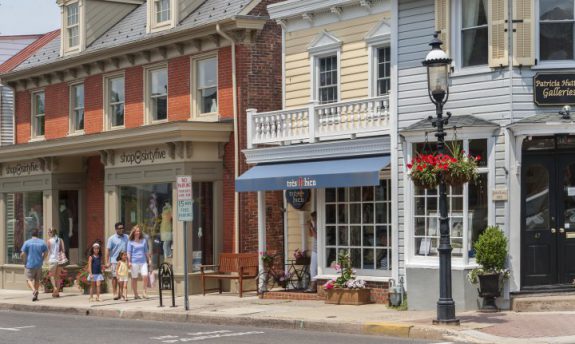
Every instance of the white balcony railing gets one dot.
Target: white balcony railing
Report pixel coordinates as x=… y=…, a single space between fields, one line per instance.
x=364 y=117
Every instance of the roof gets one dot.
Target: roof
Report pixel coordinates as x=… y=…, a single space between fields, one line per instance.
x=24 y=54
x=11 y=45
x=454 y=122
x=553 y=117
x=132 y=28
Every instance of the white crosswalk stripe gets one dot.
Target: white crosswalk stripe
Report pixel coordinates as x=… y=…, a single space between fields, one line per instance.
x=200 y=336
x=14 y=329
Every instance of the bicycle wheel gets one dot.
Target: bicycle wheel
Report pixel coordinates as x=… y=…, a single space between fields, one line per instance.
x=265 y=282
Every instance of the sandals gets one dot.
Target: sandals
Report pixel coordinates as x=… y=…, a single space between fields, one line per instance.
x=91 y=299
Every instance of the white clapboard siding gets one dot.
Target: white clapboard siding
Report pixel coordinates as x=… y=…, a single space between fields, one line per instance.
x=6 y=116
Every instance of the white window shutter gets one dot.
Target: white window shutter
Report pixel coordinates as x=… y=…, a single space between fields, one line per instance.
x=498 y=36
x=523 y=35
x=442 y=14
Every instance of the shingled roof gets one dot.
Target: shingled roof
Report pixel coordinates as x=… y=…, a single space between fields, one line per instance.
x=25 y=53
x=454 y=122
x=132 y=28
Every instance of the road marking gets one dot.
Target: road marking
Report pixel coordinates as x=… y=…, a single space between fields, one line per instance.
x=199 y=336
x=14 y=329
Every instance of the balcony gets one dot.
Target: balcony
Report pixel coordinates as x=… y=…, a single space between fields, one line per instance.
x=349 y=119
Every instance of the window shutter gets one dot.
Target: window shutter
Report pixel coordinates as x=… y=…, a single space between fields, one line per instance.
x=498 y=37
x=442 y=22
x=523 y=42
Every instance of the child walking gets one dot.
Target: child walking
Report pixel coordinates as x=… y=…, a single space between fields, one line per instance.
x=95 y=271
x=122 y=275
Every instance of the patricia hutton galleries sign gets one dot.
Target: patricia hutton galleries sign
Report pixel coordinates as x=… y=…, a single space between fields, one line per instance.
x=552 y=89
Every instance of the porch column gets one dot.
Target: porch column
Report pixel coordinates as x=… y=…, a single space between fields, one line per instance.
x=261 y=229
x=514 y=227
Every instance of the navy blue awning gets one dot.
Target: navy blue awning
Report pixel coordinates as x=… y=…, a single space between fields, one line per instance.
x=313 y=174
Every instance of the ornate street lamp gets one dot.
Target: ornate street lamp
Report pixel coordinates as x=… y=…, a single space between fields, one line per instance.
x=437 y=63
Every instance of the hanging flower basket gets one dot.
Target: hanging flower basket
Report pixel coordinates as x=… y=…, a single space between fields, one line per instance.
x=462 y=168
x=425 y=170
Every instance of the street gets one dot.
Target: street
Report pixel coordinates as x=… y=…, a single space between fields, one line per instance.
x=33 y=328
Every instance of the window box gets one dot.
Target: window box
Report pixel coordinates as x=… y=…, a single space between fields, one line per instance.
x=341 y=296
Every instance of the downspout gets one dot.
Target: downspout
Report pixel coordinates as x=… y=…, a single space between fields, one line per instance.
x=236 y=139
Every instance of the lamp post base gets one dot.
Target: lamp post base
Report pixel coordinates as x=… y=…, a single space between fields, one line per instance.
x=451 y=322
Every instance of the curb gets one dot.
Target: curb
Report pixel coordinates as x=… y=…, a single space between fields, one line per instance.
x=401 y=330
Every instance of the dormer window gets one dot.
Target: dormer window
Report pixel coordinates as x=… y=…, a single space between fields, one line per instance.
x=72 y=25
x=162 y=10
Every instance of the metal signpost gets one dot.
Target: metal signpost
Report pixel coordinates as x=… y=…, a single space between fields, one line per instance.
x=185 y=214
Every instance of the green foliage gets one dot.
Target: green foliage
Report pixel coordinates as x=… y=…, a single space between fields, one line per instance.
x=490 y=253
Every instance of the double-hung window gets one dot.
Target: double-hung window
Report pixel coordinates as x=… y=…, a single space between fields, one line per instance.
x=38 y=114
x=157 y=94
x=467 y=207
x=77 y=108
x=207 y=85
x=474 y=33
x=72 y=25
x=556 y=24
x=116 y=99
x=327 y=79
x=383 y=68
x=162 y=9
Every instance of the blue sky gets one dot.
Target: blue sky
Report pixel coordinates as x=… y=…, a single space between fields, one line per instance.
x=22 y=17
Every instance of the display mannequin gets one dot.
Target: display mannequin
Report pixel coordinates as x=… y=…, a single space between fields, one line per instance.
x=66 y=227
x=166 y=229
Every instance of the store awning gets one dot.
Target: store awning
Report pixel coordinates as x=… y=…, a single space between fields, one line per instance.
x=313 y=175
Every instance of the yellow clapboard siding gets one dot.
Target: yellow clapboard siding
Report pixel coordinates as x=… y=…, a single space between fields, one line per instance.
x=354 y=94
x=298 y=90
x=297 y=57
x=298 y=78
x=353 y=84
x=300 y=93
x=296 y=103
x=351 y=70
x=299 y=70
x=350 y=63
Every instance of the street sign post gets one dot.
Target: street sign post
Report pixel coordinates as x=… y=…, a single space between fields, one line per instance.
x=185 y=214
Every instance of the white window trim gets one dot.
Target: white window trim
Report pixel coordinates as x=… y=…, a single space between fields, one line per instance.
x=321 y=51
x=373 y=67
x=153 y=25
x=147 y=94
x=457 y=64
x=65 y=48
x=458 y=263
x=541 y=65
x=71 y=115
x=107 y=114
x=195 y=105
x=33 y=115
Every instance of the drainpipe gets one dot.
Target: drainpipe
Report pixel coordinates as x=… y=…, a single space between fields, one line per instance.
x=236 y=138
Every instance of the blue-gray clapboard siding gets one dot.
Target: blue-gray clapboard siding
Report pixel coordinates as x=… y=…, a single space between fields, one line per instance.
x=6 y=116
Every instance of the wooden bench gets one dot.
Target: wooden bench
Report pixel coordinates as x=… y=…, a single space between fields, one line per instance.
x=238 y=266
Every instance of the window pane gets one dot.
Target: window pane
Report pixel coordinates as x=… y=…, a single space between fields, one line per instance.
x=355 y=194
x=474 y=13
x=24 y=212
x=478 y=148
x=207 y=73
x=382 y=260
x=40 y=126
x=39 y=103
x=556 y=41
x=73 y=36
x=355 y=236
x=382 y=235
x=342 y=236
x=555 y=9
x=478 y=210
x=355 y=213
x=368 y=213
x=330 y=195
x=355 y=255
x=162 y=10
x=159 y=81
x=116 y=87
x=117 y=115
x=331 y=257
x=72 y=18
x=160 y=108
x=209 y=100
x=330 y=214
x=368 y=259
x=368 y=236
x=330 y=236
x=475 y=47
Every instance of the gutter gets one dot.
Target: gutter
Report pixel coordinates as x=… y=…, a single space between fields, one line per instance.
x=236 y=138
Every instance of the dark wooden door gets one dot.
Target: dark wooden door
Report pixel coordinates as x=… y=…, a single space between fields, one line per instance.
x=539 y=232
x=565 y=195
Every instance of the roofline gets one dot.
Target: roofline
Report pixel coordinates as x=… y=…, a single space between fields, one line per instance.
x=170 y=37
x=25 y=53
x=291 y=8
x=23 y=36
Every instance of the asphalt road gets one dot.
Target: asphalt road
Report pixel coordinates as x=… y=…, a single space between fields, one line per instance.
x=35 y=328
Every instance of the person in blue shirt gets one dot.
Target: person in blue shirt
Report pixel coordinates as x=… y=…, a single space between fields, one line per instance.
x=138 y=259
x=34 y=252
x=116 y=243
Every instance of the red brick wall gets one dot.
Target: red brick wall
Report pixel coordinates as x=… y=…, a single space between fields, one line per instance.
x=22 y=111
x=134 y=106
x=94 y=201
x=93 y=104
x=57 y=115
x=179 y=89
x=225 y=83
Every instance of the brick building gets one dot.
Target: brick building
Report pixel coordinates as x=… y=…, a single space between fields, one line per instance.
x=125 y=97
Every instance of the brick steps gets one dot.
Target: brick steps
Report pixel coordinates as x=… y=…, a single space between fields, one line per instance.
x=291 y=295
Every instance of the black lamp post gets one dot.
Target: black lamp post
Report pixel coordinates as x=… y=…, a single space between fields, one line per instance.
x=437 y=63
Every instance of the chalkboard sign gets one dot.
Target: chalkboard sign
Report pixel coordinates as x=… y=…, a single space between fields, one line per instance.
x=554 y=89
x=298 y=198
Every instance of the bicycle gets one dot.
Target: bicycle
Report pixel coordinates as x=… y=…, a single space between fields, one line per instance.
x=269 y=277
x=298 y=270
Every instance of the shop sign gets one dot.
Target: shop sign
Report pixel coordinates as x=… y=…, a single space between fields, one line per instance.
x=142 y=156
x=22 y=169
x=554 y=89
x=499 y=194
x=297 y=198
x=185 y=200
x=301 y=182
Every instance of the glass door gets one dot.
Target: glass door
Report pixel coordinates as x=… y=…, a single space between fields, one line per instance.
x=68 y=224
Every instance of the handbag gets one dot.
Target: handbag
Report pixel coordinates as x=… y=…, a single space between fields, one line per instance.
x=62 y=259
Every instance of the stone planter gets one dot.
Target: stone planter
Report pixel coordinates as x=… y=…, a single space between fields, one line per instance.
x=343 y=296
x=489 y=289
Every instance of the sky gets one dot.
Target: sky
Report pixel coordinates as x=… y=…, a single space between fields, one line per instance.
x=23 y=17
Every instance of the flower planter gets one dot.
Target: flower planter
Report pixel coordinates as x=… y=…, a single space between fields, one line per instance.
x=303 y=261
x=343 y=296
x=455 y=180
x=422 y=184
x=489 y=289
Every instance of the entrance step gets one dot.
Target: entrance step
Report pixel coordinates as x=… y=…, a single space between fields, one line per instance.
x=543 y=302
x=291 y=295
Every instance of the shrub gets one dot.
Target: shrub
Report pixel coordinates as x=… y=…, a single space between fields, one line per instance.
x=490 y=253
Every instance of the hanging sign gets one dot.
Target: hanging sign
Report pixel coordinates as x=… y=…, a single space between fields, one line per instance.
x=298 y=198
x=553 y=89
x=185 y=201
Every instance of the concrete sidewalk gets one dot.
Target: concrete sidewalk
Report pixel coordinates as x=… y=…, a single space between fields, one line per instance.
x=229 y=309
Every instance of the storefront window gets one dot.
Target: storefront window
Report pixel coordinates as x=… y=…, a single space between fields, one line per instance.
x=24 y=212
x=358 y=220
x=202 y=226
x=68 y=227
x=465 y=225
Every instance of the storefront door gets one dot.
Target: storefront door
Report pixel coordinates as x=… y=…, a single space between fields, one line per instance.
x=548 y=213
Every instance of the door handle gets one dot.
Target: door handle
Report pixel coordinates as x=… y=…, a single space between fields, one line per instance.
x=561 y=230
x=553 y=231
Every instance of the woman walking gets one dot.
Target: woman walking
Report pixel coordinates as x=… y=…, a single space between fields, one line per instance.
x=138 y=259
x=55 y=248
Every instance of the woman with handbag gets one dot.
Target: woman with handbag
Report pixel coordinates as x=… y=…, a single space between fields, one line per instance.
x=56 y=259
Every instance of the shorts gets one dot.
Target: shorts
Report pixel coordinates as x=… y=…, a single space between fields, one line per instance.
x=34 y=274
x=113 y=269
x=122 y=278
x=52 y=266
x=97 y=278
x=141 y=269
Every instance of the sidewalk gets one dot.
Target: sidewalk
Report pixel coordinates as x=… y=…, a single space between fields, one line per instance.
x=229 y=309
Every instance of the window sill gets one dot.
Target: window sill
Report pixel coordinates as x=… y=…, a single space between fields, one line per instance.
x=37 y=139
x=428 y=263
x=119 y=127
x=76 y=133
x=157 y=121
x=554 y=65
x=206 y=117
x=471 y=71
x=362 y=277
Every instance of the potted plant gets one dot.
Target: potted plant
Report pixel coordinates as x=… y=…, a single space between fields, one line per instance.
x=346 y=289
x=490 y=254
x=425 y=171
x=301 y=257
x=84 y=284
x=46 y=280
x=461 y=167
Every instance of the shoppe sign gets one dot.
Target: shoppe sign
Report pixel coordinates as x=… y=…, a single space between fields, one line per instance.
x=185 y=201
x=553 y=89
x=142 y=156
x=298 y=198
x=20 y=169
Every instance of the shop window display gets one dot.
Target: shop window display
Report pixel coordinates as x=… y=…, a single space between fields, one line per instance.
x=24 y=212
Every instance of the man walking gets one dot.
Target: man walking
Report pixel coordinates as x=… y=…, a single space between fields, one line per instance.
x=34 y=252
x=116 y=243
